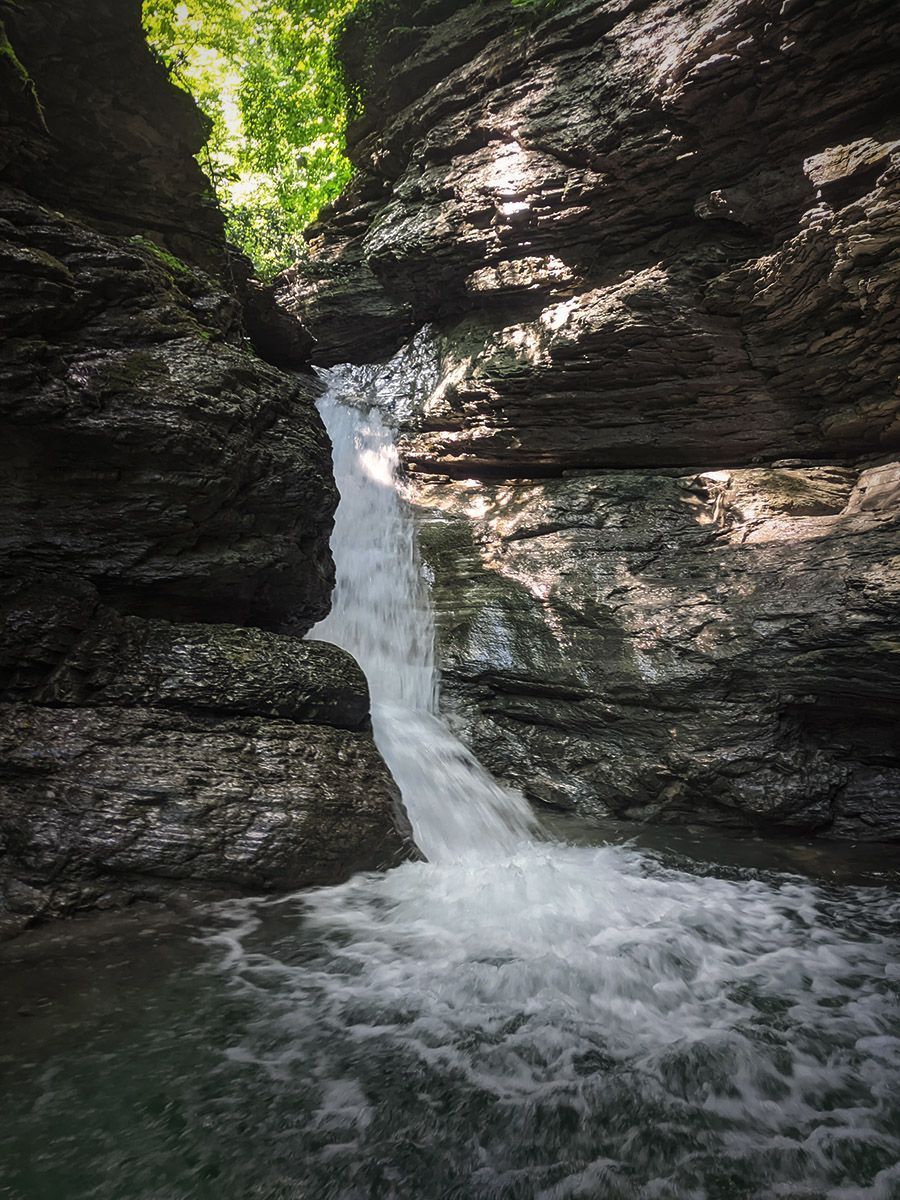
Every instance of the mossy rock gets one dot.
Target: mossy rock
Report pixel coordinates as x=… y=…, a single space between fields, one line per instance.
x=180 y=270
x=17 y=91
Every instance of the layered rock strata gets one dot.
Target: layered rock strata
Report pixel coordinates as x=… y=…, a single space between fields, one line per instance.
x=140 y=757
x=166 y=496
x=657 y=247
x=719 y=647
x=145 y=446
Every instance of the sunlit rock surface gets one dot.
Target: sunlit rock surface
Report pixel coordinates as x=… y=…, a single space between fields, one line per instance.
x=719 y=647
x=657 y=247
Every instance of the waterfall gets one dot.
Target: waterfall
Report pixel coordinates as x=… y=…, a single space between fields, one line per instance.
x=528 y=1020
x=381 y=613
x=512 y=1019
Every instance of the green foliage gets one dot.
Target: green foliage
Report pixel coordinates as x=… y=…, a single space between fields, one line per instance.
x=267 y=78
x=266 y=74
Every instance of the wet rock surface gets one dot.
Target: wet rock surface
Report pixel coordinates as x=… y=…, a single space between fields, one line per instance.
x=141 y=756
x=63 y=646
x=657 y=249
x=106 y=805
x=146 y=442
x=718 y=647
x=166 y=501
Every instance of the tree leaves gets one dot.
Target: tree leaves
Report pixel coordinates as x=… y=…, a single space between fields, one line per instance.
x=268 y=79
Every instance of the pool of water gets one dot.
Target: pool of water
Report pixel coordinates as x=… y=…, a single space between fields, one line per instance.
x=584 y=1021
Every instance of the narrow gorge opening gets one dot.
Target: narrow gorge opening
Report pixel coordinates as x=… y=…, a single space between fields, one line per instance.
x=458 y=782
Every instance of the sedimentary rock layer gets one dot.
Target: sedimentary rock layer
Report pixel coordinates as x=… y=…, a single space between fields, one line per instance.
x=138 y=756
x=145 y=447
x=719 y=647
x=658 y=249
x=653 y=219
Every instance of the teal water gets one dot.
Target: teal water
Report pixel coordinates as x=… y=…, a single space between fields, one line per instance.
x=263 y=1049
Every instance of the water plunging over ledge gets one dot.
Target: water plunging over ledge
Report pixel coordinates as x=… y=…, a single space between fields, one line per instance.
x=569 y=1021
x=514 y=1019
x=381 y=613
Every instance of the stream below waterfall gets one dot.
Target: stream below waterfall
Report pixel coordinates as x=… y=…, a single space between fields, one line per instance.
x=520 y=1017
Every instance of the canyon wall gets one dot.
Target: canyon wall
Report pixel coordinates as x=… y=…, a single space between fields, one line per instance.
x=651 y=423
x=167 y=500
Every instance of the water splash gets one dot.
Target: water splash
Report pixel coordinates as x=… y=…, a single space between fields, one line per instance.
x=518 y=1020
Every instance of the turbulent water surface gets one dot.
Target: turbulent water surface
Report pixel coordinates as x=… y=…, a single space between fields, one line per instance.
x=515 y=1018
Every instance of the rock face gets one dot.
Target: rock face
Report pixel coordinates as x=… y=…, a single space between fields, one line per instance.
x=119 y=140
x=161 y=488
x=143 y=442
x=138 y=754
x=658 y=249
x=719 y=647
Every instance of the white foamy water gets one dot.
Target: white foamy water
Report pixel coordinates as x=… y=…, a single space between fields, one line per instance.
x=523 y=1019
x=381 y=613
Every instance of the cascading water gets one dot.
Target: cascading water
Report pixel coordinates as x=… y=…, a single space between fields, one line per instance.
x=516 y=1018
x=381 y=613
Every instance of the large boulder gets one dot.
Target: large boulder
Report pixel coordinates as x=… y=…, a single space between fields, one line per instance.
x=141 y=758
